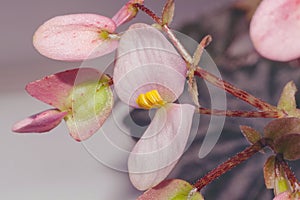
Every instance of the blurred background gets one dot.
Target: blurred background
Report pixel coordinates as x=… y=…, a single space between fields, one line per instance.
x=54 y=166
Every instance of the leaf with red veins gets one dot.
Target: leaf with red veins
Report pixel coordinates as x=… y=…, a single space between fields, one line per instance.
x=41 y=122
x=127 y=12
x=75 y=37
x=161 y=146
x=173 y=189
x=274 y=29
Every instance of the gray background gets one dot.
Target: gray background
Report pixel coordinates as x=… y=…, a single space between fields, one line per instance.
x=54 y=166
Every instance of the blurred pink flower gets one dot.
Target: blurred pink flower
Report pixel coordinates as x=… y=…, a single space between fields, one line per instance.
x=274 y=29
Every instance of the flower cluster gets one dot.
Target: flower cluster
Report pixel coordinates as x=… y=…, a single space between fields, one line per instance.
x=148 y=74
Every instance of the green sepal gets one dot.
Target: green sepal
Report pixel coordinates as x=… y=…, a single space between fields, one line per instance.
x=173 y=189
x=168 y=12
x=269 y=172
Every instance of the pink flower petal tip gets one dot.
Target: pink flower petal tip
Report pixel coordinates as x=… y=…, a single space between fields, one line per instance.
x=41 y=122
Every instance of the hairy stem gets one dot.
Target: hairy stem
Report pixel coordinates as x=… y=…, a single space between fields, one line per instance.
x=183 y=52
x=241 y=94
x=148 y=12
x=186 y=56
x=229 y=164
x=238 y=113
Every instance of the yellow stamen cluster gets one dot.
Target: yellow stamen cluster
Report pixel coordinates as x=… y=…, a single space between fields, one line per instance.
x=150 y=100
x=104 y=34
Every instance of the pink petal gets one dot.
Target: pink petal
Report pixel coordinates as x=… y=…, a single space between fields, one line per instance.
x=163 y=143
x=75 y=37
x=91 y=105
x=146 y=61
x=283 y=196
x=41 y=122
x=55 y=89
x=170 y=190
x=275 y=29
x=126 y=13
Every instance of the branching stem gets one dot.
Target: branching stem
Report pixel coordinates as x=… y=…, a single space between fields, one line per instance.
x=229 y=164
x=241 y=94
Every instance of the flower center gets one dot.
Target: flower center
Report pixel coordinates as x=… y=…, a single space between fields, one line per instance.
x=151 y=99
x=103 y=34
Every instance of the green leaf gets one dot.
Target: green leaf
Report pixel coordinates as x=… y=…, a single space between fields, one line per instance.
x=289 y=146
x=173 y=189
x=168 y=12
x=269 y=172
x=279 y=127
x=250 y=134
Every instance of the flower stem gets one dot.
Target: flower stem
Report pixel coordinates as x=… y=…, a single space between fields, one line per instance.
x=231 y=163
x=183 y=52
x=241 y=94
x=148 y=12
x=238 y=113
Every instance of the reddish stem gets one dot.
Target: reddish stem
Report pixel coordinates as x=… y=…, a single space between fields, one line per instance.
x=238 y=113
x=183 y=52
x=148 y=12
x=229 y=164
x=241 y=94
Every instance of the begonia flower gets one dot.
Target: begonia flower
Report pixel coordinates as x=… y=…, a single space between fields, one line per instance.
x=82 y=97
x=150 y=74
x=274 y=29
x=81 y=36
